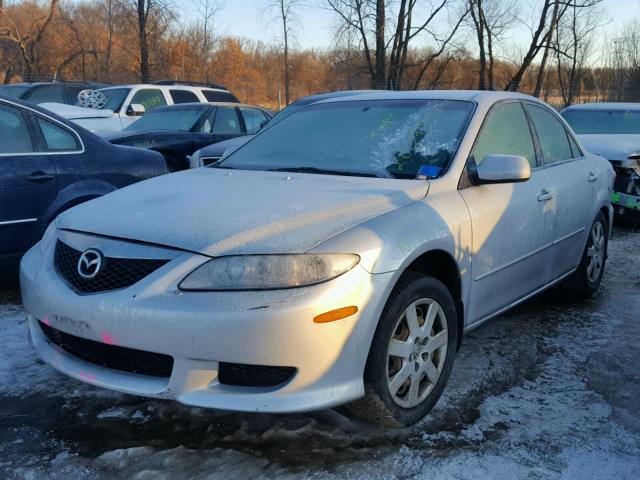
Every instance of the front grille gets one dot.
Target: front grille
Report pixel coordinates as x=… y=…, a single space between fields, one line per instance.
x=242 y=375
x=116 y=273
x=111 y=356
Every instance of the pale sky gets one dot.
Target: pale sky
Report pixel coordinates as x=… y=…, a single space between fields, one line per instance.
x=247 y=18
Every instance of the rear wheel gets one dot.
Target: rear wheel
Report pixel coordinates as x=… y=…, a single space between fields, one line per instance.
x=586 y=279
x=411 y=355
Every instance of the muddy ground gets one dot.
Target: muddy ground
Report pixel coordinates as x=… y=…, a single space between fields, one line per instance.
x=549 y=390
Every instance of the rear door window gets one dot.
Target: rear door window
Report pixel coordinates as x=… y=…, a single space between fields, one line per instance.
x=226 y=121
x=552 y=135
x=183 y=96
x=149 y=98
x=505 y=131
x=217 y=96
x=14 y=134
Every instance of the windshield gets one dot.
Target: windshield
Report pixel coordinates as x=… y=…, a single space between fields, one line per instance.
x=390 y=138
x=115 y=97
x=181 y=119
x=14 y=91
x=612 y=122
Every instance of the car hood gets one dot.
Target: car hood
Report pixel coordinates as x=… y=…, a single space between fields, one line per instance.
x=72 y=112
x=222 y=212
x=612 y=147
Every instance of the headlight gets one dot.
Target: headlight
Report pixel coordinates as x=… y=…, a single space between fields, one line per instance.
x=195 y=161
x=267 y=272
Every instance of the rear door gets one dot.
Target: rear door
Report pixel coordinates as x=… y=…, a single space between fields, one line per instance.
x=28 y=182
x=223 y=122
x=570 y=171
x=510 y=253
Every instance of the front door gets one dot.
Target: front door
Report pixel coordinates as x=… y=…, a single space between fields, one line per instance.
x=510 y=255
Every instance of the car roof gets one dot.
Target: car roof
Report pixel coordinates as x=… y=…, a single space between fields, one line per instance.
x=172 y=87
x=40 y=110
x=479 y=96
x=204 y=105
x=604 y=106
x=37 y=84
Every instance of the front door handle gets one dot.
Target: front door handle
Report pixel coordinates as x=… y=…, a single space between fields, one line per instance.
x=592 y=177
x=39 y=176
x=544 y=195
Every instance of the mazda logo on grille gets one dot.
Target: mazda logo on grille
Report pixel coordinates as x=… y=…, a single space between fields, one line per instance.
x=90 y=263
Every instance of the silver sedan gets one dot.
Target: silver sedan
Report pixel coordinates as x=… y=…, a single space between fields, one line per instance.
x=337 y=257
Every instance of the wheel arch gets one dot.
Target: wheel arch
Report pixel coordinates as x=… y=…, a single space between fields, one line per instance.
x=70 y=196
x=441 y=265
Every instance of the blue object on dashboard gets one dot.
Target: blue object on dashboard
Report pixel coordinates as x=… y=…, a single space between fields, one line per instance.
x=425 y=172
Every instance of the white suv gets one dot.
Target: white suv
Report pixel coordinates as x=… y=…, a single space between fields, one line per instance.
x=122 y=105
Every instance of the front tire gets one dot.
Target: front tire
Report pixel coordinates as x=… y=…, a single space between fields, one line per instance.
x=411 y=355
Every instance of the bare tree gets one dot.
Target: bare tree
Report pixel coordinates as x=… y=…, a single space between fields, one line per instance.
x=573 y=45
x=286 y=13
x=149 y=15
x=491 y=20
x=368 y=20
x=207 y=9
x=555 y=17
x=29 y=39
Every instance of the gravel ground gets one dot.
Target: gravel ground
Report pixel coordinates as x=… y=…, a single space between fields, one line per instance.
x=549 y=390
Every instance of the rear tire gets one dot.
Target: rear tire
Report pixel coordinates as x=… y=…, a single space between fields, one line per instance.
x=586 y=279
x=411 y=355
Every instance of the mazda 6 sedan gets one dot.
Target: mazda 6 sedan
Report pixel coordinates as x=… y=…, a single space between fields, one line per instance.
x=336 y=258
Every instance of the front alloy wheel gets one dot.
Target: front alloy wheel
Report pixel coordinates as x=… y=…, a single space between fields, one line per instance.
x=417 y=352
x=411 y=354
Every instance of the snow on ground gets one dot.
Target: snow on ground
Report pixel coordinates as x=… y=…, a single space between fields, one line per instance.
x=550 y=390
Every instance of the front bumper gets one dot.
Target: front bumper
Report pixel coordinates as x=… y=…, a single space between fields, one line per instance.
x=200 y=330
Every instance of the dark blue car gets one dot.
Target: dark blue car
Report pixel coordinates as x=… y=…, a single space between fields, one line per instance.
x=177 y=131
x=48 y=165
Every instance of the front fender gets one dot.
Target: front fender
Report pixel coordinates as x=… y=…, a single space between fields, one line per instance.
x=393 y=241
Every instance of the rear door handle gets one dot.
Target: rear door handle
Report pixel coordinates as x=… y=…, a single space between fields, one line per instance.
x=39 y=176
x=592 y=177
x=544 y=195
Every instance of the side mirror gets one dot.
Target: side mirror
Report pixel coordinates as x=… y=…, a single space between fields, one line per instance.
x=135 y=110
x=503 y=169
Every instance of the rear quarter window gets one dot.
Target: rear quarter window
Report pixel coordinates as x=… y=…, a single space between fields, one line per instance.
x=56 y=137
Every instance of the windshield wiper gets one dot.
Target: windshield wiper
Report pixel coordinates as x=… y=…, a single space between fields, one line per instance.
x=321 y=171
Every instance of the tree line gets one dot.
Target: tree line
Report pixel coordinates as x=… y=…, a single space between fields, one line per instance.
x=381 y=44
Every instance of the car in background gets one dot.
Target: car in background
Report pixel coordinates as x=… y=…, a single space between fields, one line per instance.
x=48 y=165
x=339 y=256
x=613 y=131
x=177 y=131
x=41 y=92
x=216 y=151
x=120 y=106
